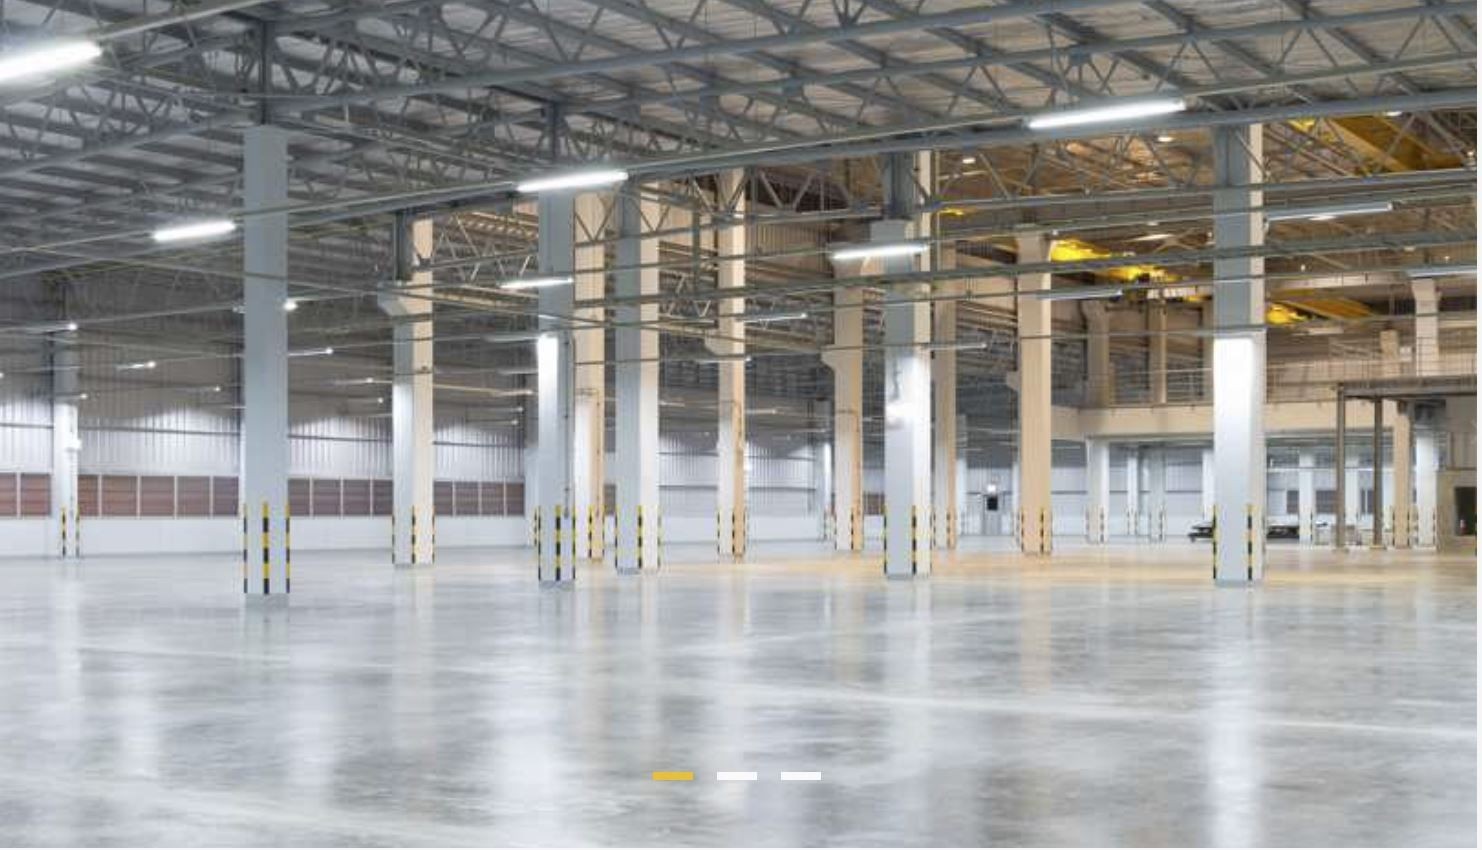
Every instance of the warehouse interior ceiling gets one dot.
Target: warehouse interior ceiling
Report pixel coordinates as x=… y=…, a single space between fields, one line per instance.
x=437 y=109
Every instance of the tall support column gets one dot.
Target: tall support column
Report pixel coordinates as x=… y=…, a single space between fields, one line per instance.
x=264 y=458
x=846 y=359
x=1239 y=359
x=1034 y=400
x=1427 y=327
x=1403 y=434
x=1376 y=515
x=1340 y=473
x=1306 y=495
x=555 y=391
x=589 y=413
x=944 y=508
x=1098 y=489
x=1425 y=480
x=1206 y=483
x=412 y=459
x=1157 y=493
x=907 y=377
x=730 y=446
x=1157 y=326
x=1100 y=389
x=66 y=443
x=637 y=386
x=1134 y=491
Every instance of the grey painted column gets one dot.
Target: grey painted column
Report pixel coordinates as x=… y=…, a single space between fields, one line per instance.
x=730 y=445
x=1100 y=389
x=264 y=461
x=846 y=359
x=1035 y=424
x=944 y=510
x=1426 y=458
x=1403 y=433
x=1427 y=327
x=1098 y=489
x=1157 y=494
x=1133 y=483
x=1239 y=358
x=589 y=409
x=1206 y=483
x=1376 y=518
x=66 y=443
x=555 y=391
x=1340 y=473
x=1306 y=495
x=1157 y=325
x=637 y=348
x=412 y=459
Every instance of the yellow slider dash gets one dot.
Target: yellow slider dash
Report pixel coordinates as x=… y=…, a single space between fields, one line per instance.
x=674 y=776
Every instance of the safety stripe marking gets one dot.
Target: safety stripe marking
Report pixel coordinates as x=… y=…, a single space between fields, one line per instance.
x=674 y=775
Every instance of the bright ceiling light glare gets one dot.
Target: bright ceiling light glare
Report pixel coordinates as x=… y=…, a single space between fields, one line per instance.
x=289 y=305
x=32 y=62
x=969 y=159
x=519 y=283
x=1165 y=139
x=192 y=231
x=1152 y=237
x=134 y=367
x=1393 y=113
x=763 y=318
x=880 y=251
x=1427 y=272
x=1330 y=212
x=1079 y=293
x=312 y=352
x=1107 y=114
x=588 y=179
x=974 y=345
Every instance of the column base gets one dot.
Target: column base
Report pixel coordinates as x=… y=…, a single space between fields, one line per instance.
x=563 y=583
x=413 y=565
x=628 y=571
x=265 y=601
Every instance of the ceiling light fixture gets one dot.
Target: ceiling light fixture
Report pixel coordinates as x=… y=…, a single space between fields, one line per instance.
x=722 y=358
x=1330 y=212
x=1107 y=113
x=763 y=318
x=1152 y=237
x=1164 y=139
x=535 y=282
x=513 y=336
x=289 y=305
x=46 y=58
x=312 y=352
x=1427 y=272
x=131 y=367
x=977 y=345
x=1079 y=293
x=572 y=180
x=880 y=251
x=194 y=230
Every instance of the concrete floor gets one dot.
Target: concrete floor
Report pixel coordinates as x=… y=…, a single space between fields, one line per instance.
x=1106 y=697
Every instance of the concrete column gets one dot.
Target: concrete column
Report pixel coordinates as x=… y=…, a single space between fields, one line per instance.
x=944 y=508
x=1306 y=495
x=637 y=386
x=1157 y=324
x=264 y=444
x=1206 y=483
x=1134 y=491
x=66 y=443
x=730 y=447
x=589 y=411
x=555 y=391
x=1239 y=359
x=1427 y=327
x=1100 y=388
x=1157 y=493
x=1343 y=489
x=846 y=360
x=1206 y=355
x=1034 y=400
x=1426 y=458
x=1098 y=489
x=412 y=413
x=1403 y=434
x=1376 y=515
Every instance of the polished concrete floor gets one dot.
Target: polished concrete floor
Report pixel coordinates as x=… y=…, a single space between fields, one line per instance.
x=1107 y=696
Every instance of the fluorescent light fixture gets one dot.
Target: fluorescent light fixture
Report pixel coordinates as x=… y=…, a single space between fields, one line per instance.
x=722 y=358
x=289 y=305
x=312 y=352
x=572 y=180
x=763 y=318
x=194 y=230
x=1153 y=237
x=46 y=58
x=1078 y=293
x=969 y=160
x=977 y=345
x=132 y=367
x=513 y=336
x=1329 y=212
x=1164 y=138
x=882 y=250
x=1424 y=272
x=1107 y=113
x=536 y=282
x=1393 y=113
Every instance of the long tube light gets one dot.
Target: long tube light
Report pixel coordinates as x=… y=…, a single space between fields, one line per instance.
x=882 y=250
x=1078 y=293
x=1329 y=212
x=977 y=345
x=587 y=179
x=312 y=352
x=763 y=318
x=722 y=358
x=535 y=282
x=513 y=336
x=1425 y=272
x=132 y=367
x=1107 y=113
x=46 y=59
x=195 y=230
